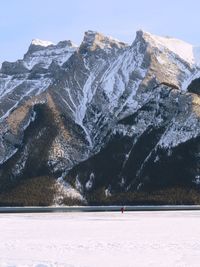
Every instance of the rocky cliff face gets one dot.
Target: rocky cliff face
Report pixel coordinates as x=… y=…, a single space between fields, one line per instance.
x=104 y=115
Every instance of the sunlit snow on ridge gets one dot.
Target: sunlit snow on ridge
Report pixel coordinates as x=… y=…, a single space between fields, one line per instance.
x=184 y=50
x=41 y=42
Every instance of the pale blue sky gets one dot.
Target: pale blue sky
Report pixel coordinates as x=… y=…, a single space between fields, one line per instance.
x=56 y=20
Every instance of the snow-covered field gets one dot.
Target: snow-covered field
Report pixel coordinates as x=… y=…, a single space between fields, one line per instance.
x=110 y=239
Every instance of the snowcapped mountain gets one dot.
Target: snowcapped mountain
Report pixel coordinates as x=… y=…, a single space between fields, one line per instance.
x=102 y=116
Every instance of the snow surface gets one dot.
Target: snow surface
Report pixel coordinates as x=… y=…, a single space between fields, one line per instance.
x=107 y=239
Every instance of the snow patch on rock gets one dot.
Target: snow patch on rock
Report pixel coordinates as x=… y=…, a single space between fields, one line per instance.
x=64 y=189
x=90 y=182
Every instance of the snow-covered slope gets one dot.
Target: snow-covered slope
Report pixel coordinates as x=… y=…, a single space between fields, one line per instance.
x=70 y=104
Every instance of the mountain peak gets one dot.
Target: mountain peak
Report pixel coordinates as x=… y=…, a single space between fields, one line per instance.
x=183 y=49
x=93 y=40
x=45 y=52
x=48 y=49
x=37 y=45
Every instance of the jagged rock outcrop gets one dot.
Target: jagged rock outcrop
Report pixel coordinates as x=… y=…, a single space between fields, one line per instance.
x=102 y=115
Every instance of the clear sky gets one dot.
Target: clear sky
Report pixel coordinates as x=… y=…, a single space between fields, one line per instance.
x=56 y=20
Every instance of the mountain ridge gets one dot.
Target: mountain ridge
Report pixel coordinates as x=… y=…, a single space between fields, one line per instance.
x=105 y=99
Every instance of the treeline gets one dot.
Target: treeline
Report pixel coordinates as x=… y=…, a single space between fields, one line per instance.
x=169 y=196
x=38 y=191
x=41 y=191
x=68 y=201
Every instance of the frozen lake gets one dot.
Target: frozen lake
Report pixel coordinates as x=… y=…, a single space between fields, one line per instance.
x=110 y=239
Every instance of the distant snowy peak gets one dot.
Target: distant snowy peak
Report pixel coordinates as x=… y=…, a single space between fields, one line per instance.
x=39 y=45
x=94 y=40
x=44 y=52
x=184 y=50
x=66 y=43
x=41 y=42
